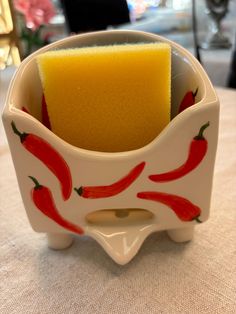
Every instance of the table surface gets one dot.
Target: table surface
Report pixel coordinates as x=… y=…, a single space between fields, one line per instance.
x=164 y=277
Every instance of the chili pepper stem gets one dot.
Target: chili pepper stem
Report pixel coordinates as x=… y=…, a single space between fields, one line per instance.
x=79 y=190
x=198 y=220
x=17 y=132
x=37 y=184
x=195 y=93
x=202 y=129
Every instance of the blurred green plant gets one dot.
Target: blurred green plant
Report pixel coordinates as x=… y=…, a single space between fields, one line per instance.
x=35 y=15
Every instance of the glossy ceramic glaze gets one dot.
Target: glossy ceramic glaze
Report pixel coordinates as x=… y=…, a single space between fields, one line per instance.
x=120 y=220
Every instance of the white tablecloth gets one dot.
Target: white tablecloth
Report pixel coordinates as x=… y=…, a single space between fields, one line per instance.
x=164 y=277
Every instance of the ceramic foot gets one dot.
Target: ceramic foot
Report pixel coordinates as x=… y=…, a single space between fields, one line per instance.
x=181 y=234
x=59 y=241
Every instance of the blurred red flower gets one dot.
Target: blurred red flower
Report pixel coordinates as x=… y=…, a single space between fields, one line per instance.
x=36 y=12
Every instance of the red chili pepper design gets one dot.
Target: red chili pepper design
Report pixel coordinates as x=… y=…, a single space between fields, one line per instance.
x=49 y=156
x=197 y=151
x=188 y=100
x=25 y=110
x=183 y=208
x=113 y=189
x=45 y=117
x=43 y=200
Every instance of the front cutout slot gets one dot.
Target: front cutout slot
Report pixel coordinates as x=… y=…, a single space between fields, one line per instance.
x=124 y=216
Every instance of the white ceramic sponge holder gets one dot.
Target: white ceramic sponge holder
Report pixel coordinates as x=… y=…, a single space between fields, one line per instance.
x=122 y=199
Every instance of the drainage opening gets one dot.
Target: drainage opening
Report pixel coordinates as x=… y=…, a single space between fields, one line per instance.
x=123 y=216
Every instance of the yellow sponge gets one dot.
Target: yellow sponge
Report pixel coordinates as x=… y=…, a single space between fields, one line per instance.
x=112 y=98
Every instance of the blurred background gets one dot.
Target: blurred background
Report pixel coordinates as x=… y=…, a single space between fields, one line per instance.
x=205 y=27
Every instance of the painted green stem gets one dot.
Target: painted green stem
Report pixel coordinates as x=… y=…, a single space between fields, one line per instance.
x=79 y=190
x=195 y=93
x=37 y=184
x=198 y=220
x=22 y=136
x=202 y=129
